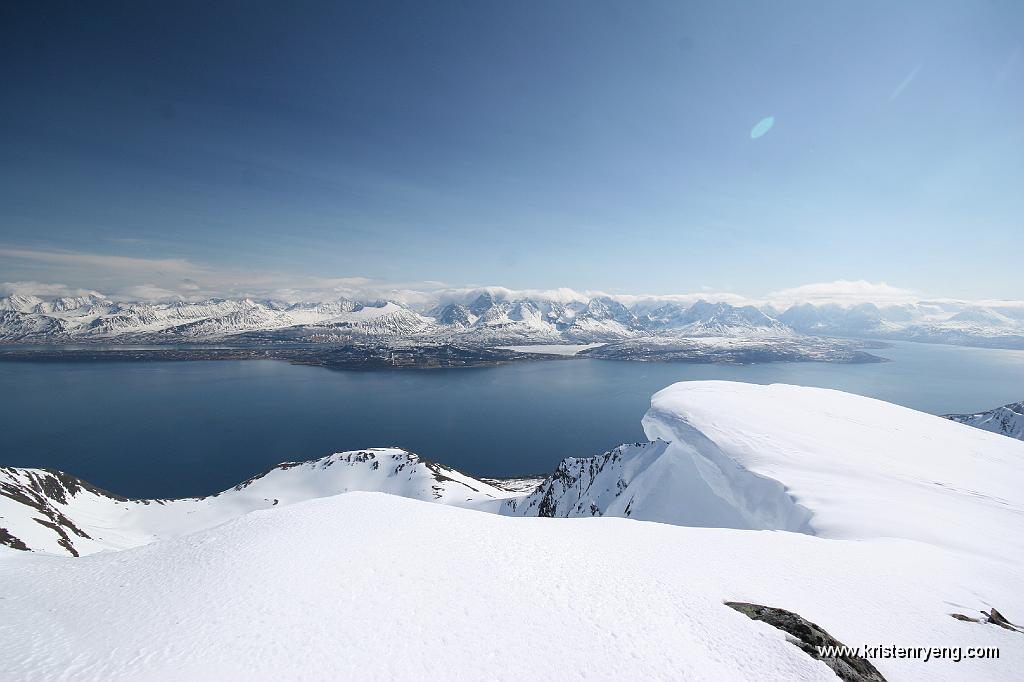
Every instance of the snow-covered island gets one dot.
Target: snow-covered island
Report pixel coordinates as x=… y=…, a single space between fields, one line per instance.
x=883 y=526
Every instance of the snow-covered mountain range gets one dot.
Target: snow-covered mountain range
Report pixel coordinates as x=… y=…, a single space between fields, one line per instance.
x=886 y=522
x=997 y=326
x=489 y=319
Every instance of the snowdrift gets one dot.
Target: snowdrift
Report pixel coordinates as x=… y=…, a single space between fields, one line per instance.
x=843 y=466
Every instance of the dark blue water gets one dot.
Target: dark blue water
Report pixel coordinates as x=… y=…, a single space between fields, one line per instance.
x=168 y=429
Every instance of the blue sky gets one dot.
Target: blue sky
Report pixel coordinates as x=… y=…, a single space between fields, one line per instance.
x=596 y=145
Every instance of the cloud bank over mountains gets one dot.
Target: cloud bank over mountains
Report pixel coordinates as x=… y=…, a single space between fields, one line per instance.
x=428 y=294
x=123 y=278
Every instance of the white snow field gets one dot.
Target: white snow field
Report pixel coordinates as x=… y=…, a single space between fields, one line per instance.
x=871 y=520
x=371 y=586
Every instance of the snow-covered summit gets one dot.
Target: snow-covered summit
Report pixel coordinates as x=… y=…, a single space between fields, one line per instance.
x=717 y=319
x=19 y=303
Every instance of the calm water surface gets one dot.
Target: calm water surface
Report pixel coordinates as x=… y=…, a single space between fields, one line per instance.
x=167 y=429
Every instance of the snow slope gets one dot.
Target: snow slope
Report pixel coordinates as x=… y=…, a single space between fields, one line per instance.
x=368 y=586
x=844 y=466
x=1007 y=420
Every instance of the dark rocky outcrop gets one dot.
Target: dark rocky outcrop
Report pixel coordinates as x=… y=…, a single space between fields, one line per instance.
x=993 y=617
x=6 y=538
x=809 y=637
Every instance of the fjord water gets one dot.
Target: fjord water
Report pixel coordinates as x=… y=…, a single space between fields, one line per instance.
x=172 y=429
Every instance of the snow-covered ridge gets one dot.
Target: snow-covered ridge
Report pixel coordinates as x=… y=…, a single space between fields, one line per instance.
x=491 y=319
x=50 y=511
x=1007 y=420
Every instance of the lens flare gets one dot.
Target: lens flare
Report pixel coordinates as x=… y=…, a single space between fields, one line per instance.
x=762 y=127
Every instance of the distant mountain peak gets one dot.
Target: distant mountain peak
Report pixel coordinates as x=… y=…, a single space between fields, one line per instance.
x=1007 y=420
x=482 y=304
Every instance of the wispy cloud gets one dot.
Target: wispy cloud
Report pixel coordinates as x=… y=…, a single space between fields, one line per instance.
x=79 y=258
x=705 y=294
x=427 y=294
x=127 y=240
x=161 y=279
